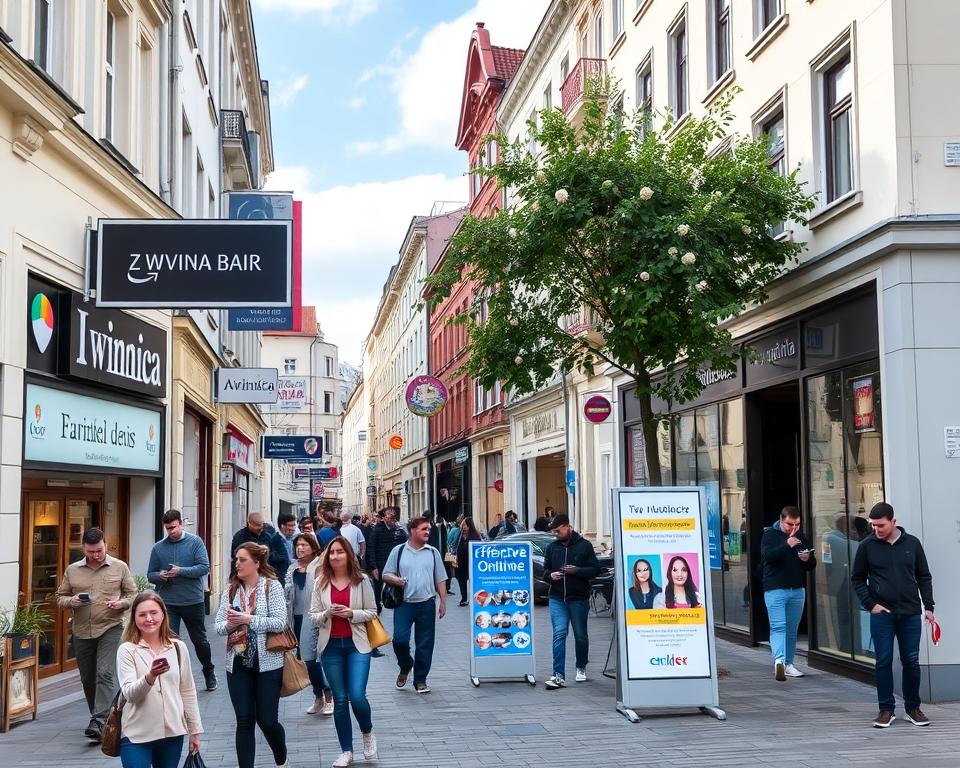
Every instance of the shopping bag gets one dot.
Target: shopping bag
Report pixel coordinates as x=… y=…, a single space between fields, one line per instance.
x=295 y=675
x=194 y=761
x=376 y=633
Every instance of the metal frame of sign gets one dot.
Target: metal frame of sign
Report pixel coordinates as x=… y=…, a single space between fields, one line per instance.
x=664 y=692
x=505 y=665
x=199 y=303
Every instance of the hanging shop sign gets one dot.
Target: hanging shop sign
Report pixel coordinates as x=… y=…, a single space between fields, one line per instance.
x=68 y=428
x=291 y=394
x=864 y=405
x=168 y=263
x=666 y=652
x=597 y=409
x=461 y=455
x=395 y=442
x=372 y=465
x=239 y=451
x=501 y=606
x=291 y=446
x=245 y=385
x=426 y=395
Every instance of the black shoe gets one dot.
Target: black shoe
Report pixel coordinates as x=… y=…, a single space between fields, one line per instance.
x=463 y=603
x=211 y=680
x=377 y=653
x=94 y=730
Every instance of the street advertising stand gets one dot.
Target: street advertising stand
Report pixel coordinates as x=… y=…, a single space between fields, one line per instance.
x=667 y=655
x=501 y=611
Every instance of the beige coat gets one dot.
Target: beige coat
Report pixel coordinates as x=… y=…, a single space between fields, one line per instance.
x=364 y=607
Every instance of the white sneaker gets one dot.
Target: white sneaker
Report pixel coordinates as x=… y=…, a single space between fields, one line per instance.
x=581 y=675
x=556 y=681
x=344 y=760
x=327 y=708
x=779 y=671
x=314 y=709
x=369 y=746
x=791 y=671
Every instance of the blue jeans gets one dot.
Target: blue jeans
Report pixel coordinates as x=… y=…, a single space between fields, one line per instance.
x=423 y=616
x=785 y=609
x=162 y=753
x=907 y=630
x=347 y=671
x=563 y=614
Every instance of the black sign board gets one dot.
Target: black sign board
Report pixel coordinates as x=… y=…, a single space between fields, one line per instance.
x=168 y=264
x=291 y=446
x=772 y=356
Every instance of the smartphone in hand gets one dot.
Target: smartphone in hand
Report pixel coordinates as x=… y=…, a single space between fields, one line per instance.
x=83 y=597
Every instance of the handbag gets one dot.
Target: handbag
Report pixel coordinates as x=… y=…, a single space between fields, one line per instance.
x=280 y=642
x=295 y=675
x=110 y=740
x=194 y=761
x=391 y=595
x=377 y=633
x=450 y=559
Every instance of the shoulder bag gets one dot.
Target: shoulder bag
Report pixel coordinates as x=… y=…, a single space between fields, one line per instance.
x=391 y=595
x=377 y=633
x=280 y=642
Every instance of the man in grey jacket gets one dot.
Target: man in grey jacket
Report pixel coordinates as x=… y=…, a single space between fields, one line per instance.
x=178 y=568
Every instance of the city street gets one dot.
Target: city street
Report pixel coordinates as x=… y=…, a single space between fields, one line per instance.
x=821 y=720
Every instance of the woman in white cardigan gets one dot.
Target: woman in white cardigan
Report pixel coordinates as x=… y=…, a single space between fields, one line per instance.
x=343 y=603
x=153 y=669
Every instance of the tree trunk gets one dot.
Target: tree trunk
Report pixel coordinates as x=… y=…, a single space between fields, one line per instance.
x=651 y=444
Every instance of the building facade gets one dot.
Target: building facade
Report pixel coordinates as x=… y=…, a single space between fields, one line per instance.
x=354 y=422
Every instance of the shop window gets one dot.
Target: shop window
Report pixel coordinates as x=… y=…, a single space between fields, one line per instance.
x=733 y=517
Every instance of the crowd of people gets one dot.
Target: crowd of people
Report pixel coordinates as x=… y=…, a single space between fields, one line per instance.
x=324 y=580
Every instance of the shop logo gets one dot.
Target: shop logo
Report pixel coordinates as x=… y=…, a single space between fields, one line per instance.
x=668 y=661
x=151 y=440
x=37 y=430
x=41 y=316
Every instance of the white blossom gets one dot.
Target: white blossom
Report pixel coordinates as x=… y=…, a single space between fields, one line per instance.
x=696 y=178
x=607 y=184
x=672 y=251
x=644 y=276
x=701 y=286
x=535 y=206
x=746 y=230
x=561 y=196
x=514 y=322
x=683 y=229
x=688 y=259
x=708 y=207
x=541 y=177
x=717 y=195
x=645 y=193
x=518 y=360
x=512 y=232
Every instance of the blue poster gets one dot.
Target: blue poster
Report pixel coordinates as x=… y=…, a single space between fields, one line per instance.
x=713 y=525
x=501 y=600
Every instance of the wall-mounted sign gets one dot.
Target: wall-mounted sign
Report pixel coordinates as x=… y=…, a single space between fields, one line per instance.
x=864 y=406
x=372 y=465
x=227 y=476
x=395 y=442
x=426 y=395
x=951 y=442
x=571 y=481
x=461 y=455
x=772 y=356
x=169 y=263
x=239 y=451
x=291 y=394
x=245 y=385
x=291 y=446
x=597 y=409
x=371 y=490
x=316 y=489
x=498 y=486
x=315 y=473
x=68 y=428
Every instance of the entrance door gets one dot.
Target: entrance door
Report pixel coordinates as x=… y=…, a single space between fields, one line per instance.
x=774 y=469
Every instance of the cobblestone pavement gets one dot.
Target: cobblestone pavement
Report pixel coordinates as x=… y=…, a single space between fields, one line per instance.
x=820 y=720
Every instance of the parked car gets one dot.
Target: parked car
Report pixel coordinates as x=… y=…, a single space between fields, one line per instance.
x=602 y=583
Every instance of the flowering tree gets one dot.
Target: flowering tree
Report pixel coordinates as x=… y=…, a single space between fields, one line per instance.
x=644 y=234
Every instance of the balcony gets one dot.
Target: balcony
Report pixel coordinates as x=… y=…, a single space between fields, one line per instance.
x=579 y=84
x=237 y=156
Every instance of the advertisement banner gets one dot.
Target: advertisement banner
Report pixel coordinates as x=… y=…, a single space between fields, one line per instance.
x=501 y=600
x=245 y=385
x=864 y=416
x=291 y=394
x=291 y=447
x=714 y=525
x=68 y=428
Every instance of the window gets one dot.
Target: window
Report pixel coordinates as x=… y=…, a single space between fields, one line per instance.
x=328 y=367
x=598 y=36
x=767 y=12
x=838 y=129
x=532 y=147
x=720 y=40
x=43 y=33
x=679 y=102
x=617 y=19
x=645 y=93
x=328 y=402
x=773 y=128
x=289 y=365
x=110 y=77
x=548 y=97
x=328 y=441
x=564 y=68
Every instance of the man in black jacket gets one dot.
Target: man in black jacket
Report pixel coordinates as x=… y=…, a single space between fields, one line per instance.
x=569 y=563
x=787 y=558
x=257 y=531
x=893 y=581
x=385 y=537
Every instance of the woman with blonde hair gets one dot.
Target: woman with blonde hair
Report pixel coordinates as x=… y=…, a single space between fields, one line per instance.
x=343 y=603
x=153 y=669
x=254 y=605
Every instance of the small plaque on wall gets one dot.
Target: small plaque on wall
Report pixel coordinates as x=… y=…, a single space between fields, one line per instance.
x=951 y=153
x=951 y=442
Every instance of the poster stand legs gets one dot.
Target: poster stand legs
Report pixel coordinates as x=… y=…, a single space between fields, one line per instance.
x=530 y=679
x=628 y=713
x=714 y=712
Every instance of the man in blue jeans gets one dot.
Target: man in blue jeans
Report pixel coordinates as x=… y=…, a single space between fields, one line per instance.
x=787 y=558
x=418 y=569
x=893 y=581
x=569 y=563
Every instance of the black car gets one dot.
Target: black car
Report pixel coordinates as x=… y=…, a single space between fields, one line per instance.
x=602 y=582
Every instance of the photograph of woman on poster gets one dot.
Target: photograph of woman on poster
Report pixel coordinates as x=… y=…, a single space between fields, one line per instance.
x=681 y=589
x=643 y=589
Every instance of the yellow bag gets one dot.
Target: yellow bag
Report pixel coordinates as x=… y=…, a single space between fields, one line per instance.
x=376 y=633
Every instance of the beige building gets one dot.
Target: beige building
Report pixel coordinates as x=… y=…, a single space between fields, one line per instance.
x=354 y=423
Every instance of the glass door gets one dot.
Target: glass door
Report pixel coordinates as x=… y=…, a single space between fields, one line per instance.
x=43 y=559
x=81 y=514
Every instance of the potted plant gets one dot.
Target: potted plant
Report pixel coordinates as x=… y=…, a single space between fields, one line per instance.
x=23 y=624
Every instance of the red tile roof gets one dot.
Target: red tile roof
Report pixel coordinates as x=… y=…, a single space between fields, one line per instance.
x=506 y=60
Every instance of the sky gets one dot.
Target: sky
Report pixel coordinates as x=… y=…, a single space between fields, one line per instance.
x=365 y=97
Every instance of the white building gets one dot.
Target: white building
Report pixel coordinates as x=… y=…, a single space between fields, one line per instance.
x=354 y=422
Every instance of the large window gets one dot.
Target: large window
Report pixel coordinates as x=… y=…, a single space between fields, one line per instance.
x=645 y=92
x=720 y=38
x=598 y=36
x=679 y=96
x=767 y=12
x=43 y=33
x=617 y=19
x=838 y=127
x=110 y=86
x=772 y=127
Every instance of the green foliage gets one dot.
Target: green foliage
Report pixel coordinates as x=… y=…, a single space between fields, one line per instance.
x=657 y=239
x=24 y=619
x=142 y=582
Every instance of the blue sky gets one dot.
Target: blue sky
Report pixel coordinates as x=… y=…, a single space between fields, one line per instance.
x=365 y=99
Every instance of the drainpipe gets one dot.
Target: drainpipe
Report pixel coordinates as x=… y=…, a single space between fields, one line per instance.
x=572 y=497
x=176 y=119
x=163 y=167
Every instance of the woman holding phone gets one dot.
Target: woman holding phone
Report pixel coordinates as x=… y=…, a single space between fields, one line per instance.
x=254 y=605
x=153 y=669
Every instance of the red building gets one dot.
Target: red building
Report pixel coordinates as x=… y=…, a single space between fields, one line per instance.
x=470 y=437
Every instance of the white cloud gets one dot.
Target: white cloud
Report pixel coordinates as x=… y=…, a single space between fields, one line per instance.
x=351 y=238
x=355 y=102
x=429 y=85
x=287 y=90
x=329 y=11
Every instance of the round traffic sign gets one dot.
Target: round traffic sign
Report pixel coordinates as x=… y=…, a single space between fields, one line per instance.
x=597 y=409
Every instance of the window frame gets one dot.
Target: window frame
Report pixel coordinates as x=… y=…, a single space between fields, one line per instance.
x=770 y=113
x=832 y=111
x=289 y=366
x=644 y=96
x=721 y=39
x=679 y=46
x=617 y=19
x=43 y=12
x=598 y=51
x=328 y=402
x=110 y=77
x=762 y=21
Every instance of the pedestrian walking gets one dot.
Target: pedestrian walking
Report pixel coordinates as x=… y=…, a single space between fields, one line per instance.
x=299 y=593
x=256 y=531
x=386 y=535
x=893 y=581
x=787 y=558
x=286 y=530
x=253 y=606
x=468 y=533
x=178 y=567
x=343 y=603
x=353 y=534
x=153 y=667
x=542 y=523
x=417 y=568
x=508 y=526
x=98 y=589
x=570 y=563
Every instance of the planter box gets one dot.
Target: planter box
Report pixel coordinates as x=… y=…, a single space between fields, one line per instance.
x=22 y=646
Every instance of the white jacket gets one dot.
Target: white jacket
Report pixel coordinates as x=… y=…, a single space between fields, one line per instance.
x=269 y=615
